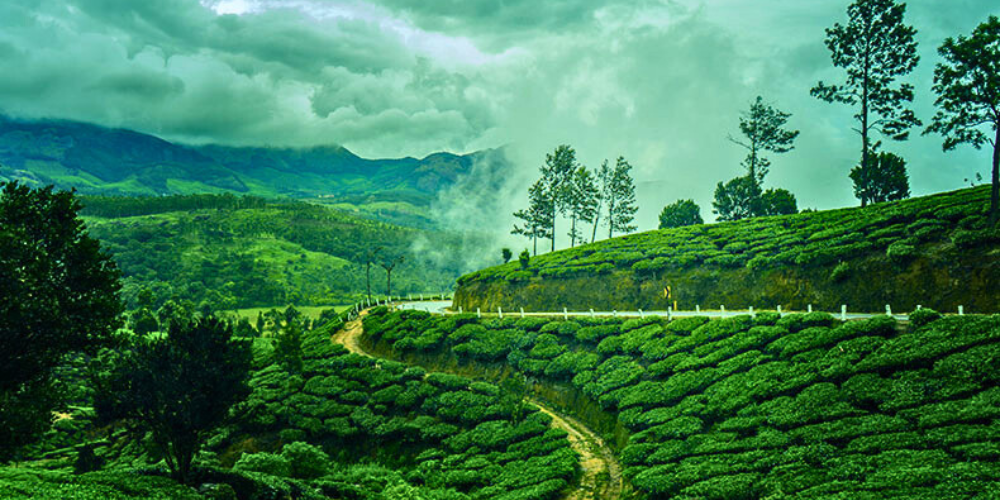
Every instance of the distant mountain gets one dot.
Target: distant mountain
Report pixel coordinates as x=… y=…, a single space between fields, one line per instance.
x=97 y=160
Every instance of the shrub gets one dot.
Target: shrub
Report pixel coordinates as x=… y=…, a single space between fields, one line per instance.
x=900 y=252
x=307 y=461
x=841 y=272
x=264 y=462
x=922 y=317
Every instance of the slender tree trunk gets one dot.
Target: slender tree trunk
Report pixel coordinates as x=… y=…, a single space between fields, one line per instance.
x=597 y=219
x=995 y=190
x=368 y=280
x=572 y=234
x=534 y=241
x=554 y=217
x=611 y=217
x=864 y=130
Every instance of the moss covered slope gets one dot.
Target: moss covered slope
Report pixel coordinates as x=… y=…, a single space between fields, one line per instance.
x=933 y=251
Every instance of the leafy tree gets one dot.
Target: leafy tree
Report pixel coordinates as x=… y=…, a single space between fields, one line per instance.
x=968 y=89
x=776 y=202
x=288 y=346
x=736 y=199
x=177 y=387
x=581 y=201
x=603 y=184
x=885 y=179
x=143 y=322
x=58 y=295
x=874 y=48
x=763 y=129
x=524 y=259
x=538 y=217
x=557 y=174
x=621 y=199
x=680 y=213
x=506 y=254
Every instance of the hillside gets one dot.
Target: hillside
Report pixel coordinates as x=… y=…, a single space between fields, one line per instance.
x=751 y=407
x=933 y=251
x=97 y=160
x=234 y=252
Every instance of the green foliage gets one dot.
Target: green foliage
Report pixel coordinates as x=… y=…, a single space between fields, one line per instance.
x=816 y=239
x=59 y=296
x=774 y=406
x=177 y=387
x=267 y=463
x=884 y=179
x=923 y=317
x=680 y=213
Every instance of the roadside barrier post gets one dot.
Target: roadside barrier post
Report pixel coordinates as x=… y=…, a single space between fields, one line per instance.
x=459 y=309
x=810 y=309
x=751 y=312
x=961 y=310
x=591 y=313
x=565 y=314
x=697 y=309
x=843 y=312
x=479 y=313
x=500 y=312
x=723 y=309
x=614 y=313
x=888 y=310
x=522 y=312
x=670 y=313
x=779 y=309
x=919 y=307
x=641 y=315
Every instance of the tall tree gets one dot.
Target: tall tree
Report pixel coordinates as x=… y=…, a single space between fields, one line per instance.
x=581 y=201
x=621 y=199
x=875 y=48
x=59 y=294
x=776 y=202
x=763 y=129
x=885 y=179
x=680 y=213
x=389 y=265
x=537 y=218
x=968 y=88
x=178 y=387
x=603 y=183
x=736 y=199
x=558 y=176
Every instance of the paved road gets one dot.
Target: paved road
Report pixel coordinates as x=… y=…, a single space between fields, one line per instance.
x=444 y=307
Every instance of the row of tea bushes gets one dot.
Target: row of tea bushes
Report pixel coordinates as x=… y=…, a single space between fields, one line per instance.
x=764 y=406
x=816 y=238
x=442 y=435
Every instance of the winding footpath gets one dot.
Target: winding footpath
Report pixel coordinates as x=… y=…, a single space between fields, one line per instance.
x=601 y=474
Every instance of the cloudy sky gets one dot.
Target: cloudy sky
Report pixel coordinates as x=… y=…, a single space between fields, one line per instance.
x=658 y=81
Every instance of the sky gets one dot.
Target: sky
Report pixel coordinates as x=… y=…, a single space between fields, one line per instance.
x=660 y=82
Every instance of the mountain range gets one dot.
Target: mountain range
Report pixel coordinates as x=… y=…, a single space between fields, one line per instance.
x=104 y=161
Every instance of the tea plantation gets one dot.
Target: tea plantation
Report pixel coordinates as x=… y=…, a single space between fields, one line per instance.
x=344 y=426
x=765 y=406
x=895 y=234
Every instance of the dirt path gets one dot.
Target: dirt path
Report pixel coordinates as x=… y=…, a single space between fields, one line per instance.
x=601 y=475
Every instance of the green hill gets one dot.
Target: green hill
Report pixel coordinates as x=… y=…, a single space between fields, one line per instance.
x=933 y=251
x=101 y=161
x=800 y=406
x=236 y=252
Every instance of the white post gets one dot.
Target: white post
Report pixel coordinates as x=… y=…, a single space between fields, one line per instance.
x=919 y=307
x=810 y=308
x=459 y=309
x=670 y=313
x=751 y=311
x=779 y=308
x=522 y=312
x=723 y=309
x=421 y=297
x=591 y=313
x=500 y=312
x=479 y=314
x=565 y=314
x=614 y=313
x=697 y=309
x=888 y=310
x=843 y=312
x=641 y=315
x=961 y=310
